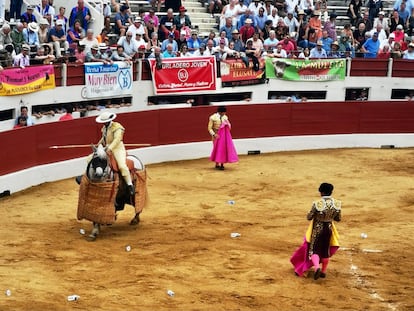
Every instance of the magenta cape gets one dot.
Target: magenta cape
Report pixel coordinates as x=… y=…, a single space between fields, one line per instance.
x=223 y=147
x=300 y=259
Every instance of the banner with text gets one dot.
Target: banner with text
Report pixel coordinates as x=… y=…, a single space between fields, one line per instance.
x=103 y=80
x=183 y=74
x=234 y=70
x=305 y=70
x=15 y=81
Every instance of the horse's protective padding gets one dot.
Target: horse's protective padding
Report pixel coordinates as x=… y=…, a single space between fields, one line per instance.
x=141 y=193
x=96 y=201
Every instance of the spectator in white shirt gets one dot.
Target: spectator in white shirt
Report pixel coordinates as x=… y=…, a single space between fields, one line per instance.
x=137 y=27
x=409 y=53
x=381 y=19
x=89 y=40
x=274 y=17
x=129 y=44
x=22 y=59
x=318 y=51
x=278 y=52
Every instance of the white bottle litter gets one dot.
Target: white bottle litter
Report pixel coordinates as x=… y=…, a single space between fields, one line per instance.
x=73 y=298
x=128 y=248
x=170 y=293
x=8 y=292
x=231 y=202
x=364 y=235
x=235 y=234
x=82 y=231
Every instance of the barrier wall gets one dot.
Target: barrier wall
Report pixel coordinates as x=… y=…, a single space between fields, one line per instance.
x=29 y=147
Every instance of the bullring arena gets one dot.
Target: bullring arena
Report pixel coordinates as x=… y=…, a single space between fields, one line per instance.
x=183 y=242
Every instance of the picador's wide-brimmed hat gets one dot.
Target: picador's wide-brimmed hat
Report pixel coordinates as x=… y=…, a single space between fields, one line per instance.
x=105 y=117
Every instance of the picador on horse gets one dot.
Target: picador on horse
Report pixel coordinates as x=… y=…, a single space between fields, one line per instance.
x=103 y=193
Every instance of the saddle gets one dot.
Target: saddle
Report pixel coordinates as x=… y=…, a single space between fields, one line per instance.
x=114 y=165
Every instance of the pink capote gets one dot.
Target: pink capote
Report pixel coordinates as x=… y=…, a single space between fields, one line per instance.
x=223 y=147
x=300 y=259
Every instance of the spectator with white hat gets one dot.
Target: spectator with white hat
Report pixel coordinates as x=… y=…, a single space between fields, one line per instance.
x=94 y=55
x=247 y=30
x=381 y=19
x=318 y=51
x=22 y=59
x=389 y=41
x=31 y=36
x=399 y=33
x=58 y=38
x=137 y=27
x=409 y=54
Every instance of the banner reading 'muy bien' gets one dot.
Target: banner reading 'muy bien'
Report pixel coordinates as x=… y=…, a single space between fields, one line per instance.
x=15 y=81
x=183 y=74
x=305 y=70
x=108 y=80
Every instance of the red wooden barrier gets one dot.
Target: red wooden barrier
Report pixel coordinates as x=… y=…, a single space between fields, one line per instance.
x=75 y=74
x=369 y=67
x=27 y=147
x=403 y=68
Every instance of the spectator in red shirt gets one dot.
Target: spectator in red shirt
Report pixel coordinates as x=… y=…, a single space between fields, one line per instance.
x=68 y=115
x=21 y=122
x=247 y=30
x=288 y=45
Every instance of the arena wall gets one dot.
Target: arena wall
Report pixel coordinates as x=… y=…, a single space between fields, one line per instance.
x=181 y=134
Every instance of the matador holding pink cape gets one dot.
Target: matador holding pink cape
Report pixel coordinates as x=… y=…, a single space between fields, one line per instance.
x=321 y=239
x=223 y=147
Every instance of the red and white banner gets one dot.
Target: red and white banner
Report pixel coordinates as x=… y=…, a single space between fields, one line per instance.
x=184 y=74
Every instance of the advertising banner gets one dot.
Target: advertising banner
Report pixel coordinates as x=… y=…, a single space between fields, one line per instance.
x=106 y=80
x=15 y=81
x=233 y=70
x=306 y=70
x=183 y=74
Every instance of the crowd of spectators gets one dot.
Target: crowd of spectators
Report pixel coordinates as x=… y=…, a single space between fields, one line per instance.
x=247 y=30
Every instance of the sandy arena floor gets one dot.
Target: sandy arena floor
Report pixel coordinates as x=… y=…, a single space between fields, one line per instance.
x=183 y=242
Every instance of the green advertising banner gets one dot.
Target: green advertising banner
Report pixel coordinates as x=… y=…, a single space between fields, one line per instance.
x=305 y=70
